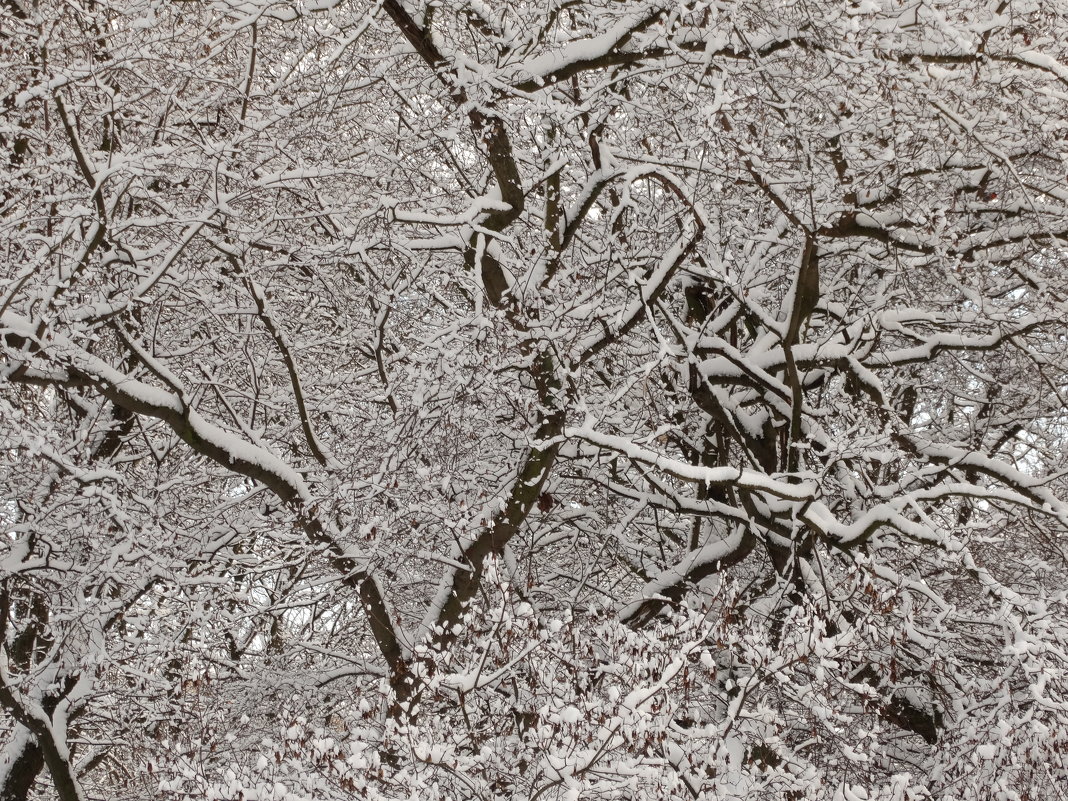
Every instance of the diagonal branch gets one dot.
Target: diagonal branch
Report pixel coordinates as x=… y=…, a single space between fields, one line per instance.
x=229 y=451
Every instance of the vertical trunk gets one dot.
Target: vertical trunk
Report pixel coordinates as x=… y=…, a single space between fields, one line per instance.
x=21 y=762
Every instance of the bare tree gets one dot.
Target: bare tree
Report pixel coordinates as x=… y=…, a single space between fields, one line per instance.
x=576 y=399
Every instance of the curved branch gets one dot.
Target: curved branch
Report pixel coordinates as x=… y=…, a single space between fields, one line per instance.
x=233 y=453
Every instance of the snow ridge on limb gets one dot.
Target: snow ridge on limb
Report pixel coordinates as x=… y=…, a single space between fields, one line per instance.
x=227 y=450
x=735 y=476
